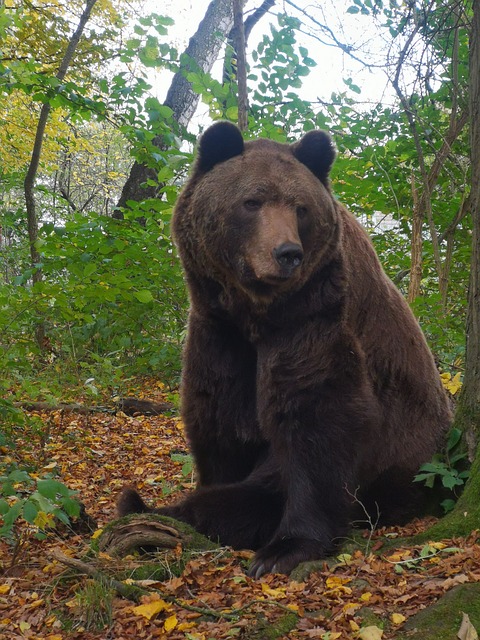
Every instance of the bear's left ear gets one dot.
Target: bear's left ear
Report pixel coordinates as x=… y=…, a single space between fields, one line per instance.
x=316 y=151
x=220 y=142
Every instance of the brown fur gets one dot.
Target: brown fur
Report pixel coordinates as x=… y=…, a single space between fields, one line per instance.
x=306 y=376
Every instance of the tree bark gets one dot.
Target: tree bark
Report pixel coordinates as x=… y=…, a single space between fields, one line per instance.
x=241 y=64
x=466 y=515
x=417 y=245
x=201 y=53
x=470 y=397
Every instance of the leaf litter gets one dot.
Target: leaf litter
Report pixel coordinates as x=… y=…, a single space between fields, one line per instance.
x=363 y=594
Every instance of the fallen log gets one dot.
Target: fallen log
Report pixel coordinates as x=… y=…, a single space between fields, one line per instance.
x=150 y=531
x=129 y=406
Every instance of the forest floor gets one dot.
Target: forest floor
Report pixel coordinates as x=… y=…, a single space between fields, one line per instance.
x=369 y=593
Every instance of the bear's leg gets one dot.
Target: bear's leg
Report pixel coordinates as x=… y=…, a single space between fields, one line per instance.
x=243 y=515
x=219 y=401
x=318 y=412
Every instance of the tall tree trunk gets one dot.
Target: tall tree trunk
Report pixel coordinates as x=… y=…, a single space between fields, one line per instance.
x=470 y=397
x=466 y=514
x=202 y=51
x=29 y=182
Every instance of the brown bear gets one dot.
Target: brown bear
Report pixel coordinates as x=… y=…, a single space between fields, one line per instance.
x=308 y=387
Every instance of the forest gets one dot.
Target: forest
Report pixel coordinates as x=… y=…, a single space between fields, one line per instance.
x=101 y=105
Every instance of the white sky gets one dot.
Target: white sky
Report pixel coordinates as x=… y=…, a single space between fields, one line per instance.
x=332 y=64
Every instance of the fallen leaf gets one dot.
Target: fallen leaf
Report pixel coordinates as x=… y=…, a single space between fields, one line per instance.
x=397 y=618
x=170 y=623
x=151 y=609
x=370 y=633
x=274 y=593
x=467 y=630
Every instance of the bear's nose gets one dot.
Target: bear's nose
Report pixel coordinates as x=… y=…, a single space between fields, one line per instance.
x=289 y=255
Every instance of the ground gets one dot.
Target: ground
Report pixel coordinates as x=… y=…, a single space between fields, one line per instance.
x=373 y=590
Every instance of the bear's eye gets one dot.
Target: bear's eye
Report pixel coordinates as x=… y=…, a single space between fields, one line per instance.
x=302 y=212
x=252 y=205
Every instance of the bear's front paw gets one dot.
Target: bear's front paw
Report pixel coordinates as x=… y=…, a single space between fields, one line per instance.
x=282 y=556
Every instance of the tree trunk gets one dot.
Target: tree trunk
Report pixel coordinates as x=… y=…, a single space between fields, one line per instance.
x=202 y=51
x=29 y=182
x=417 y=245
x=241 y=64
x=466 y=515
x=470 y=397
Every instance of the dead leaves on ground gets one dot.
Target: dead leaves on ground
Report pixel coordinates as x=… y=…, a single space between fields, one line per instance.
x=363 y=595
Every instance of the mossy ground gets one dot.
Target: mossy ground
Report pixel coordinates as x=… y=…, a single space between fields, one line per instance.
x=442 y=620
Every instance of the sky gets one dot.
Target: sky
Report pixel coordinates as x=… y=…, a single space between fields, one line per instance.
x=333 y=65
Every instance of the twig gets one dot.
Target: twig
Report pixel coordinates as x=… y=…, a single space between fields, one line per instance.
x=131 y=592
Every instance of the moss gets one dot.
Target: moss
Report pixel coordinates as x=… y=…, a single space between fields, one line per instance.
x=442 y=620
x=263 y=629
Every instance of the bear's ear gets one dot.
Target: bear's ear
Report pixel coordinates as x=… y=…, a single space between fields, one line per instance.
x=316 y=151
x=220 y=142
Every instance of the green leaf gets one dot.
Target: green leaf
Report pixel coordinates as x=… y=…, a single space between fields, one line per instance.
x=143 y=295
x=30 y=511
x=232 y=113
x=51 y=488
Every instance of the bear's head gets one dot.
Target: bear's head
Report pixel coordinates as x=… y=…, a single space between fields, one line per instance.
x=258 y=215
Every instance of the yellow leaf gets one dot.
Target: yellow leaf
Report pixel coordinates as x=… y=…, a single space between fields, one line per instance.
x=4 y=588
x=54 y=636
x=370 y=633
x=170 y=623
x=52 y=465
x=96 y=534
x=451 y=384
x=24 y=626
x=151 y=608
x=354 y=626
x=275 y=593
x=397 y=618
x=44 y=520
x=336 y=581
x=365 y=597
x=345 y=558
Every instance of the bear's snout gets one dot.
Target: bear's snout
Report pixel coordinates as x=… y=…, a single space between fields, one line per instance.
x=289 y=256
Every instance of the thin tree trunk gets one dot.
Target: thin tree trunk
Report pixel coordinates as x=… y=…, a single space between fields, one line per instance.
x=241 y=64
x=430 y=176
x=417 y=245
x=29 y=182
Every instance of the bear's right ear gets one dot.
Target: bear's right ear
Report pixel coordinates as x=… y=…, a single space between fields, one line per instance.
x=316 y=151
x=220 y=142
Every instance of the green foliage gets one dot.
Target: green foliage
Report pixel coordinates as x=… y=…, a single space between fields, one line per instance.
x=37 y=498
x=112 y=298
x=448 y=469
